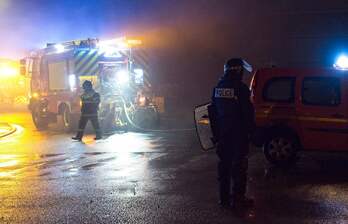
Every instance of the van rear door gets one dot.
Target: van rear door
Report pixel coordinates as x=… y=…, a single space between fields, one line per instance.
x=321 y=111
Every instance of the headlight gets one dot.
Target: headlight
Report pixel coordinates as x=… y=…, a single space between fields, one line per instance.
x=35 y=95
x=122 y=77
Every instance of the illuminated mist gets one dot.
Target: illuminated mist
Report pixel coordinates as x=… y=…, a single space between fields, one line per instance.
x=189 y=40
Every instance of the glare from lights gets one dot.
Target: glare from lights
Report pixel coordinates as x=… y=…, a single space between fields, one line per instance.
x=122 y=77
x=139 y=76
x=72 y=82
x=134 y=42
x=342 y=63
x=60 y=48
x=118 y=44
x=142 y=100
x=7 y=70
x=35 y=95
x=108 y=49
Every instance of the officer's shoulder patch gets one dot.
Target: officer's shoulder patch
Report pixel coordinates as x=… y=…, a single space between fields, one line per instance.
x=225 y=93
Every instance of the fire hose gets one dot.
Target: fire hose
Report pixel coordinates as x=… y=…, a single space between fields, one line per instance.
x=138 y=128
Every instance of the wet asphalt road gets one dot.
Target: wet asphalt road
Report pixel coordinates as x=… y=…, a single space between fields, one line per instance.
x=153 y=178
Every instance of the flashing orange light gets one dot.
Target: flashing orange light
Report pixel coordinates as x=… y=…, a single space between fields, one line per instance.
x=134 y=42
x=122 y=42
x=35 y=95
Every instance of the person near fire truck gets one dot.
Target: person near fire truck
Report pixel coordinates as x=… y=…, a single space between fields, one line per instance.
x=90 y=100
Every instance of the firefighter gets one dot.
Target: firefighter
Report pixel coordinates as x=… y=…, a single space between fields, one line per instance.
x=89 y=111
x=234 y=121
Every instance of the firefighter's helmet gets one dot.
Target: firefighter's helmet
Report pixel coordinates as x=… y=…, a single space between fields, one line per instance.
x=87 y=85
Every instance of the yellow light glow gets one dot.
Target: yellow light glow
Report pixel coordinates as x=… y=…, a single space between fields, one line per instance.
x=204 y=121
x=120 y=43
x=134 y=42
x=7 y=70
x=35 y=95
x=142 y=100
x=8 y=163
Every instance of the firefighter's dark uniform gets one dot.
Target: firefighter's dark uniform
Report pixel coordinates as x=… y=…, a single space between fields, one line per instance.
x=89 y=111
x=235 y=122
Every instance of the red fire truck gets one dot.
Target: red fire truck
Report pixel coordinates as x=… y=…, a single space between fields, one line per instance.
x=117 y=70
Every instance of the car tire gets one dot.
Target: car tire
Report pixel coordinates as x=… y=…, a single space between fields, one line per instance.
x=281 y=148
x=39 y=122
x=69 y=120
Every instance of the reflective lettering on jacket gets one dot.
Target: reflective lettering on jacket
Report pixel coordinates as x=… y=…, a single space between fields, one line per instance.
x=91 y=97
x=225 y=93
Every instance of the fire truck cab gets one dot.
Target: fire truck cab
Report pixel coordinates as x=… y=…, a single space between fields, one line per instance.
x=58 y=71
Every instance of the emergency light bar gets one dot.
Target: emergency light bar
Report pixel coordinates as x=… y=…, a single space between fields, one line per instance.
x=109 y=46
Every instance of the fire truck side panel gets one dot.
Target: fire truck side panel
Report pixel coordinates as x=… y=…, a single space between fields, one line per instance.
x=55 y=72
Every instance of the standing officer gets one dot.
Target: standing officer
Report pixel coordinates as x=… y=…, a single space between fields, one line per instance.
x=234 y=121
x=89 y=111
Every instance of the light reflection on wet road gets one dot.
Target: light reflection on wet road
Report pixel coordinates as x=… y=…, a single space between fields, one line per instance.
x=152 y=178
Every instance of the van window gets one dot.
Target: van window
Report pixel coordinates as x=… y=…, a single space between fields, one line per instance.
x=280 y=90
x=321 y=91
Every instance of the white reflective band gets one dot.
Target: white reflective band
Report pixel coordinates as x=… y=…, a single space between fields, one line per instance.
x=224 y=93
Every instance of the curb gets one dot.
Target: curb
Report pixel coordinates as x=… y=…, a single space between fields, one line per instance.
x=12 y=130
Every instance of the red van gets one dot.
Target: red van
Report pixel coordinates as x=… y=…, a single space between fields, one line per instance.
x=300 y=109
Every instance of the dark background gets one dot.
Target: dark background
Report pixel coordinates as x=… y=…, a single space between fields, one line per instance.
x=188 y=40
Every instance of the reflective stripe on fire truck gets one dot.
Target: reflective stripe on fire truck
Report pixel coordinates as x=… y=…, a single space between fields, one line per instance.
x=86 y=62
x=140 y=57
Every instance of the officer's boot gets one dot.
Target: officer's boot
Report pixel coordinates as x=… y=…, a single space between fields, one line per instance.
x=225 y=200
x=78 y=136
x=98 y=135
x=242 y=202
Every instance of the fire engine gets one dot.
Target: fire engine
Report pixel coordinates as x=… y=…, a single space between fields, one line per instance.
x=117 y=70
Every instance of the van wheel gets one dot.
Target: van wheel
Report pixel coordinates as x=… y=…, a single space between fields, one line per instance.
x=281 y=149
x=39 y=122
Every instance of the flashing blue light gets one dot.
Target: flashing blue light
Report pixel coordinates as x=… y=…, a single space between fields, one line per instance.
x=342 y=62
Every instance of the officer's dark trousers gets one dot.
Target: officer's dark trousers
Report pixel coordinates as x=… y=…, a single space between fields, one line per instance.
x=233 y=165
x=83 y=122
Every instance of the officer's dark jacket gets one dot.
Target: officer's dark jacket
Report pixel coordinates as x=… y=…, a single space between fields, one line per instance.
x=90 y=102
x=233 y=108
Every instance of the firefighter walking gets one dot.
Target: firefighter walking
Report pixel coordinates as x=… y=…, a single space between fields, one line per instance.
x=234 y=120
x=89 y=111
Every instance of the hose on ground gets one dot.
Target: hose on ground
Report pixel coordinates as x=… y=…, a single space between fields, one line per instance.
x=138 y=128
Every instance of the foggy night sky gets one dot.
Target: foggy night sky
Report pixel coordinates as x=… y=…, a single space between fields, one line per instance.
x=189 y=39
